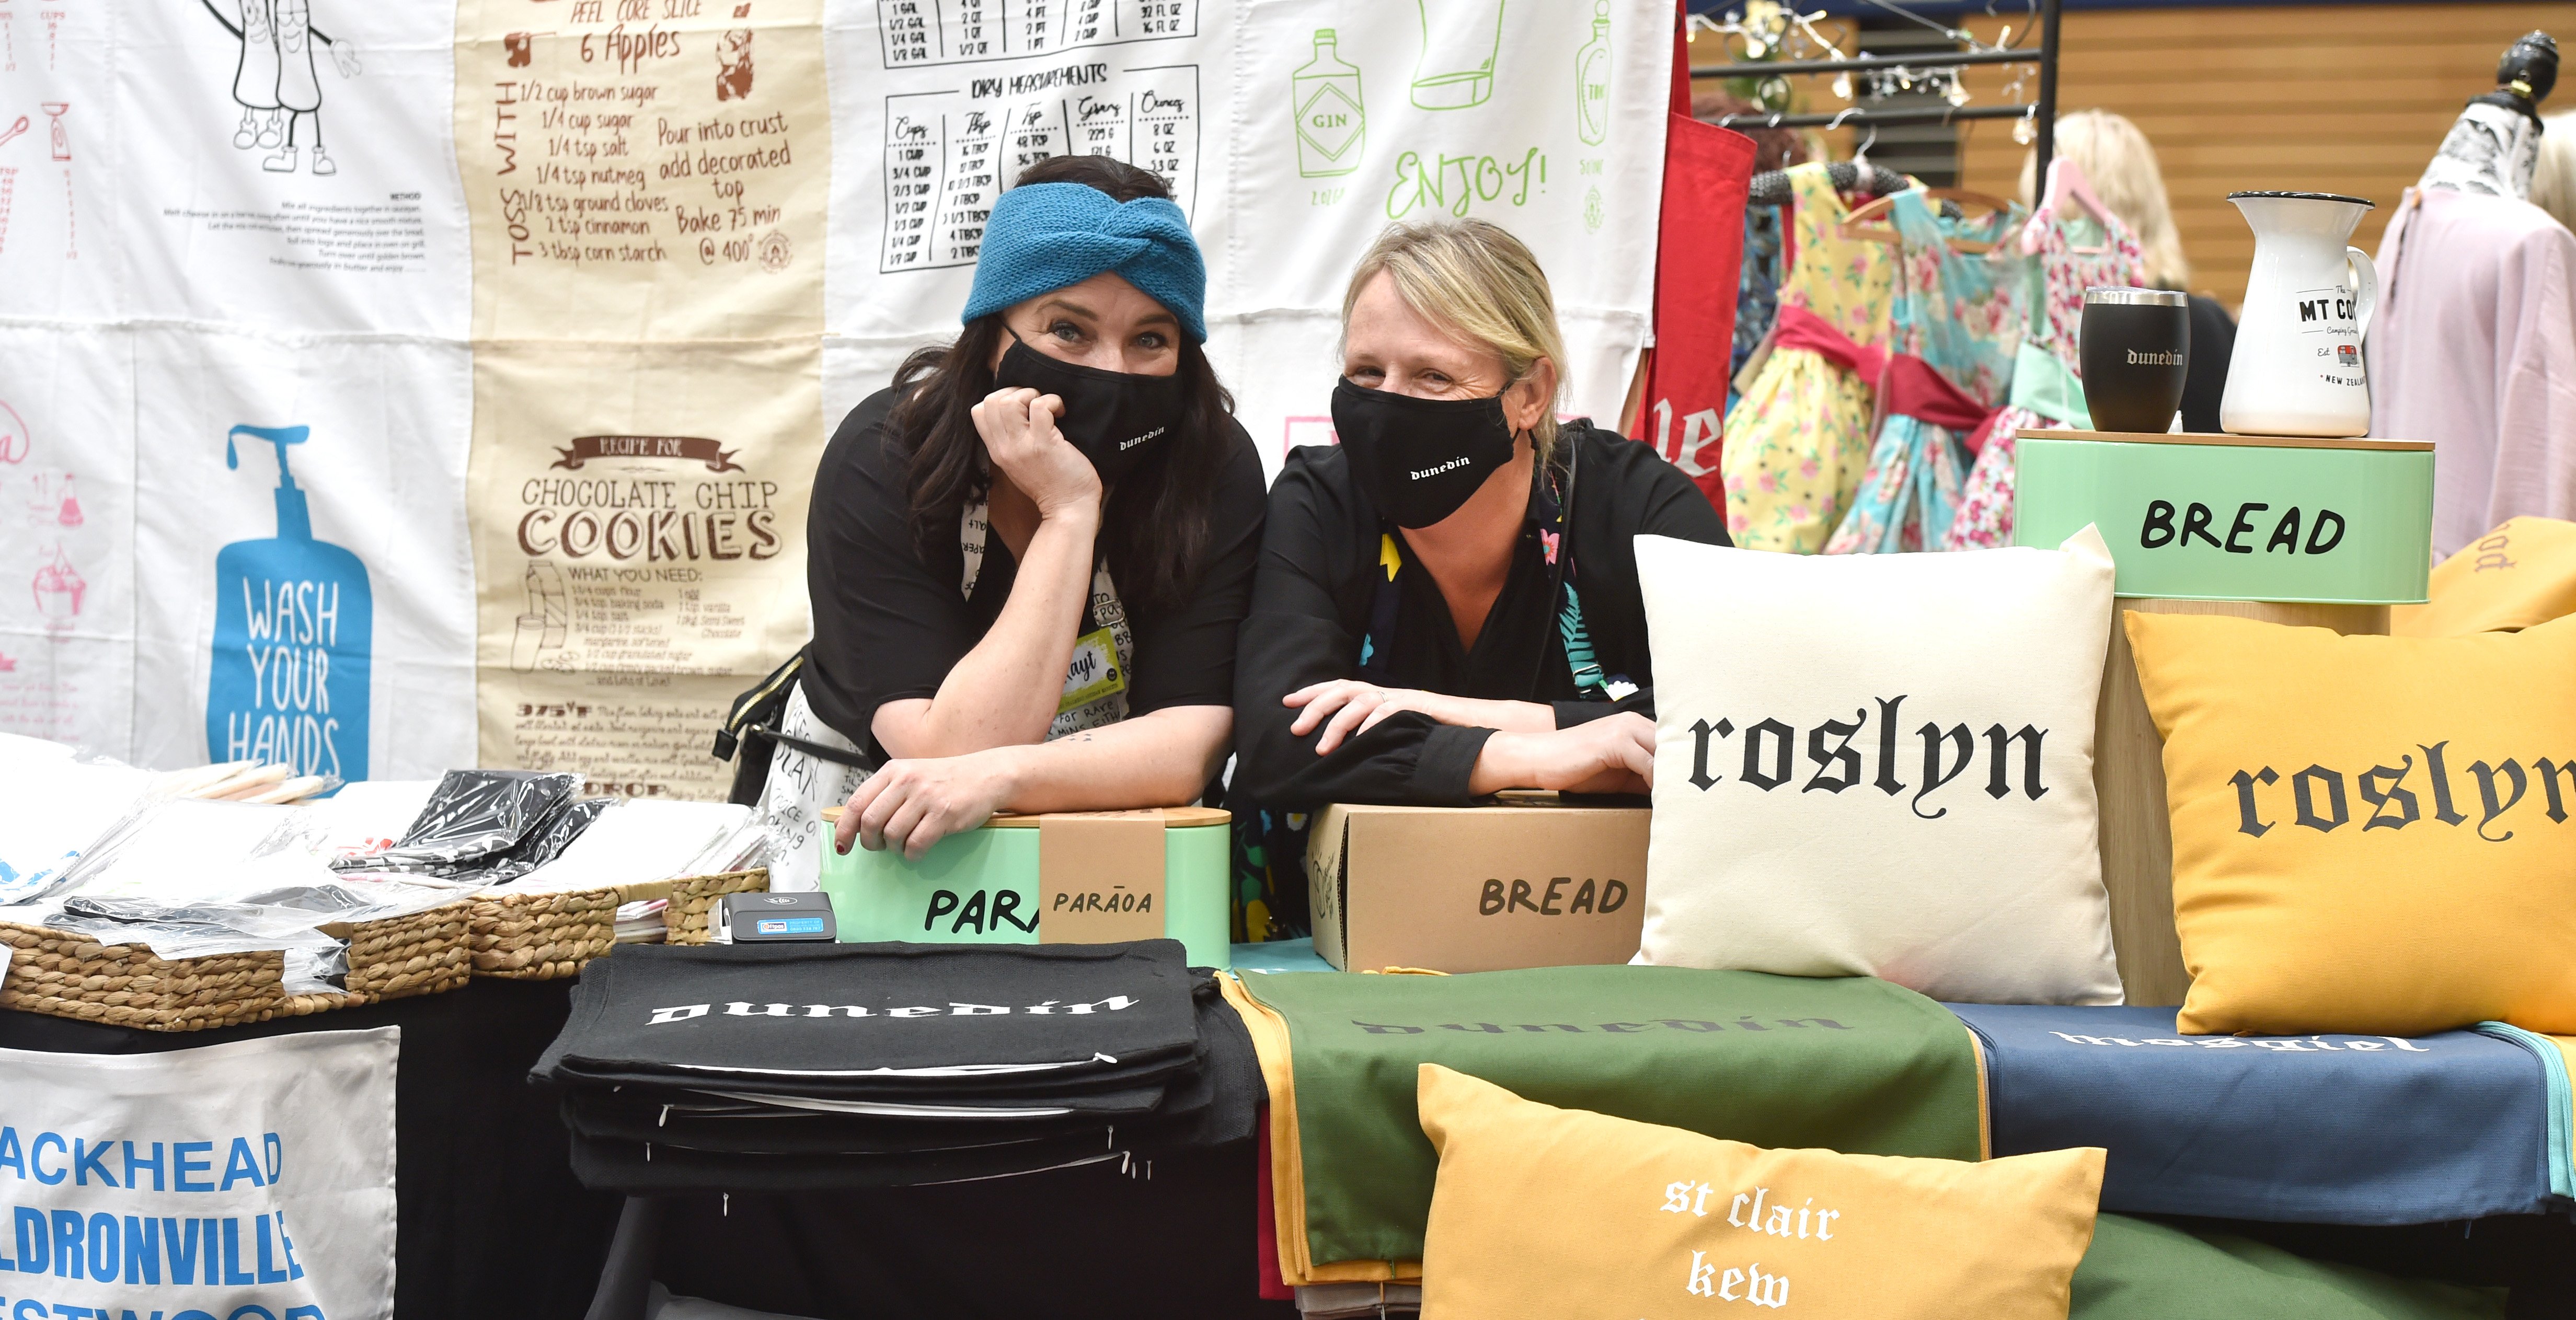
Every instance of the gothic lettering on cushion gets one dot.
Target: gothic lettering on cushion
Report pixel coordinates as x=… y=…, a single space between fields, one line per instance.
x=2371 y=834
x=1959 y=687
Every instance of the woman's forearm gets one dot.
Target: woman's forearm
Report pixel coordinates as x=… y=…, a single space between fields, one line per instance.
x=1508 y=716
x=1505 y=762
x=1161 y=759
x=1005 y=691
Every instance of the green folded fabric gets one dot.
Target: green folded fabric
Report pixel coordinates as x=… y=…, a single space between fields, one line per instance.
x=2042 y=384
x=2562 y=1107
x=1849 y=1064
x=2139 y=1270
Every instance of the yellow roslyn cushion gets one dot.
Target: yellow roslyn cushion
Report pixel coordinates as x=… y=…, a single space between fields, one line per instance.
x=1543 y=1213
x=2520 y=575
x=2370 y=834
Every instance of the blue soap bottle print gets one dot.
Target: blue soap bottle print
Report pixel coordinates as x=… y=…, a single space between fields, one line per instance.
x=294 y=630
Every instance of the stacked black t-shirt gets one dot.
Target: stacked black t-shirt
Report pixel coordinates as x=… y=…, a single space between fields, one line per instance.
x=815 y=1066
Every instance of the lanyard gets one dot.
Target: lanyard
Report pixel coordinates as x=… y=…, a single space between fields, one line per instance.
x=1557 y=545
x=1109 y=705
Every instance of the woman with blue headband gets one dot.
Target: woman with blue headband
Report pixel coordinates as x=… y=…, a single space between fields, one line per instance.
x=1029 y=555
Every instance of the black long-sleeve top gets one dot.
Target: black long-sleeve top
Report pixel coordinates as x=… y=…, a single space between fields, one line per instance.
x=1313 y=593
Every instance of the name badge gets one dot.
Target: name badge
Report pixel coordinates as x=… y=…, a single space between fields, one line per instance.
x=1094 y=673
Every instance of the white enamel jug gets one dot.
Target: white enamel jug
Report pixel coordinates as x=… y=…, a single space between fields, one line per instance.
x=2297 y=368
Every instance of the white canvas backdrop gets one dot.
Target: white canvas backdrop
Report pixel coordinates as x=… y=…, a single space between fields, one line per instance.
x=176 y=273
x=383 y=476
x=920 y=123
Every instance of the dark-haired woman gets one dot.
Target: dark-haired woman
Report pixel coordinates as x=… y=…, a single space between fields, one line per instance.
x=1029 y=555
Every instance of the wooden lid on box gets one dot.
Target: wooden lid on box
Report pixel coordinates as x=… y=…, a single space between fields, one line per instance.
x=2218 y=438
x=1174 y=818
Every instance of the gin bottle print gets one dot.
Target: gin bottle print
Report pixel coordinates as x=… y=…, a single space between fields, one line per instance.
x=294 y=633
x=1332 y=130
x=1592 y=79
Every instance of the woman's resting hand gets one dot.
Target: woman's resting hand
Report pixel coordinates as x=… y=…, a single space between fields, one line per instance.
x=1018 y=426
x=1347 y=707
x=913 y=804
x=1615 y=754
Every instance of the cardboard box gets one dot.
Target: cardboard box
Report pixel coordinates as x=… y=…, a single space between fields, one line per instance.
x=1530 y=882
x=1072 y=878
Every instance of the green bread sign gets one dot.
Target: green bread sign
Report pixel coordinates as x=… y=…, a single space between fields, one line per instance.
x=2344 y=522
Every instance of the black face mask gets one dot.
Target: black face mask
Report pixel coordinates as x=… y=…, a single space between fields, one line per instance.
x=1116 y=419
x=1420 y=459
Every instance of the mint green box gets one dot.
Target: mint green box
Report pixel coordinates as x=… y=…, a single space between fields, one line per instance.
x=2223 y=517
x=981 y=886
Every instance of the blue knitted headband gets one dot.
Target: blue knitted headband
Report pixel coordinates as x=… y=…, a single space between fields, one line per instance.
x=1044 y=236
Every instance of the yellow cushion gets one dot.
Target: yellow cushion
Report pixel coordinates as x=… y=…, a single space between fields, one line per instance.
x=2522 y=573
x=2370 y=834
x=1543 y=1213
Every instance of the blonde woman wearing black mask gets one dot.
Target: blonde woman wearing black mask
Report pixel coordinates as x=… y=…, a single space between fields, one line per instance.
x=1446 y=604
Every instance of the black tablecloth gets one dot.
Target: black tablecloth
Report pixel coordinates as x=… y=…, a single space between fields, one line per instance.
x=494 y=1227
x=1067 y=1245
x=491 y=1223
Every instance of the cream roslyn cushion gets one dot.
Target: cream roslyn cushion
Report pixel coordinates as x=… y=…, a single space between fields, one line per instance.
x=1880 y=765
x=1543 y=1213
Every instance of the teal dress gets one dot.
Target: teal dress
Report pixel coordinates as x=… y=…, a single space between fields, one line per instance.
x=1962 y=313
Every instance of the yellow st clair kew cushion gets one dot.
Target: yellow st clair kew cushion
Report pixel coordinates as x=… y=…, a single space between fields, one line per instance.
x=2370 y=834
x=1543 y=1213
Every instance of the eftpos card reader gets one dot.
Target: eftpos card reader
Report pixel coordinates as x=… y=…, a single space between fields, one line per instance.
x=769 y=918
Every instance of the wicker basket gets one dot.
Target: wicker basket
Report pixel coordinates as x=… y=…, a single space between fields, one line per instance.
x=540 y=937
x=74 y=976
x=421 y=954
x=693 y=901
x=123 y=985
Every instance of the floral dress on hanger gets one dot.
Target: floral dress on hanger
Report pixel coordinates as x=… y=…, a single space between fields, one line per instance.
x=1960 y=315
x=2076 y=252
x=1797 y=439
x=1757 y=290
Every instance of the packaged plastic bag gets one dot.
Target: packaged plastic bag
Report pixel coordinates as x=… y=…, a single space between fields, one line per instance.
x=171 y=848
x=371 y=815
x=744 y=849
x=636 y=841
x=548 y=841
x=290 y=918
x=57 y=804
x=473 y=818
x=640 y=922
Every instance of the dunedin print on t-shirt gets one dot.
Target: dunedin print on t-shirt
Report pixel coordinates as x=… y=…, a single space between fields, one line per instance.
x=1881 y=765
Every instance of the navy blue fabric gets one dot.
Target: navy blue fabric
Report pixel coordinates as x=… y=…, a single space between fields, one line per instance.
x=2322 y=1129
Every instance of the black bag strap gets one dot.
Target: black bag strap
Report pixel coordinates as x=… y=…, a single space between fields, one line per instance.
x=762 y=733
x=760 y=707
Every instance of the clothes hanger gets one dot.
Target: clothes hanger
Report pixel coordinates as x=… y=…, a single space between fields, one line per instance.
x=2066 y=184
x=1856 y=224
x=1771 y=187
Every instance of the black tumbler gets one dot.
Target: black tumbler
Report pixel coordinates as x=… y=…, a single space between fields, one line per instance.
x=2133 y=346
